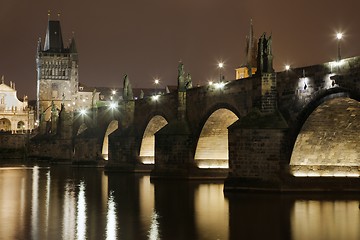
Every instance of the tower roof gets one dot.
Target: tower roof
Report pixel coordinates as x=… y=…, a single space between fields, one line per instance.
x=53 y=39
x=72 y=47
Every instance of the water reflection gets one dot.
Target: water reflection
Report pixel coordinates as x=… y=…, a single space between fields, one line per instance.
x=81 y=213
x=69 y=213
x=87 y=204
x=111 y=222
x=212 y=211
x=154 y=227
x=325 y=220
x=35 y=203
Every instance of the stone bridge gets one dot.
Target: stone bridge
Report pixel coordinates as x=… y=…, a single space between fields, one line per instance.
x=269 y=129
x=275 y=131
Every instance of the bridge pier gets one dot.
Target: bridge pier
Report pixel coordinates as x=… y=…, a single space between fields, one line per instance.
x=257 y=151
x=173 y=151
x=123 y=156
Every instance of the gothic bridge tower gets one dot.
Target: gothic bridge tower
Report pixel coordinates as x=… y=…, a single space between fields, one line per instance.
x=57 y=71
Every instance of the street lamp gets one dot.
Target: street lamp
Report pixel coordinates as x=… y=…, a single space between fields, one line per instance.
x=339 y=36
x=287 y=67
x=220 y=66
x=156 y=82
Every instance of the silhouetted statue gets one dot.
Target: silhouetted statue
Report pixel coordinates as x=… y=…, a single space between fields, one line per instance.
x=93 y=103
x=188 y=81
x=181 y=78
x=265 y=58
x=127 y=90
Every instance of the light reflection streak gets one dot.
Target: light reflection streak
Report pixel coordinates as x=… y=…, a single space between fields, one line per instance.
x=35 y=203
x=47 y=199
x=81 y=213
x=22 y=198
x=69 y=213
x=154 y=228
x=111 y=221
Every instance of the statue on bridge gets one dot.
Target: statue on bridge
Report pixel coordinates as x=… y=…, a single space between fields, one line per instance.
x=127 y=89
x=265 y=58
x=184 y=81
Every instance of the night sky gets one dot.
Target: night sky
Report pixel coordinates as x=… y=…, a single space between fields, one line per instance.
x=147 y=38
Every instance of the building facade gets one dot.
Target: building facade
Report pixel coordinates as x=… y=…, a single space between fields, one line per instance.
x=15 y=115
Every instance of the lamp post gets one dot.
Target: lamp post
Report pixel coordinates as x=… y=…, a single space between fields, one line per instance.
x=220 y=66
x=156 y=82
x=339 y=36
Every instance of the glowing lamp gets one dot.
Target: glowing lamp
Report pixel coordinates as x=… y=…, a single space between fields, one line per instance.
x=339 y=36
x=113 y=105
x=155 y=97
x=82 y=112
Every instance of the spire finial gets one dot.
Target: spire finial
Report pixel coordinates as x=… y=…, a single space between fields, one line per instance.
x=2 y=79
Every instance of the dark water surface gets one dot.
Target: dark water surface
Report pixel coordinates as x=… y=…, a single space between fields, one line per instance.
x=85 y=203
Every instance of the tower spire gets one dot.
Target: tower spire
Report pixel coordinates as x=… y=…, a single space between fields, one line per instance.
x=53 y=39
x=251 y=47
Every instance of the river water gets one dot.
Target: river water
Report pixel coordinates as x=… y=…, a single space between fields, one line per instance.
x=65 y=202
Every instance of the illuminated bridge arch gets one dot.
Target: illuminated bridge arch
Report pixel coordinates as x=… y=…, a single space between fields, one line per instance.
x=147 y=148
x=212 y=149
x=327 y=143
x=113 y=125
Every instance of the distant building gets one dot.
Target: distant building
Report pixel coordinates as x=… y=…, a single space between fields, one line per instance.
x=58 y=78
x=57 y=72
x=15 y=116
x=250 y=66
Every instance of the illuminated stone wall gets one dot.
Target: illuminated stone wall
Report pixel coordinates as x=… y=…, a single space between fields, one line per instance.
x=212 y=146
x=147 y=150
x=329 y=141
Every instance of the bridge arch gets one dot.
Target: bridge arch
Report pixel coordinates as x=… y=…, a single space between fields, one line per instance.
x=326 y=143
x=212 y=149
x=147 y=146
x=113 y=125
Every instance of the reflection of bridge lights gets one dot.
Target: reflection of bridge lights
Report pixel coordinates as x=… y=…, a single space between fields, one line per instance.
x=155 y=97
x=82 y=112
x=113 y=105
